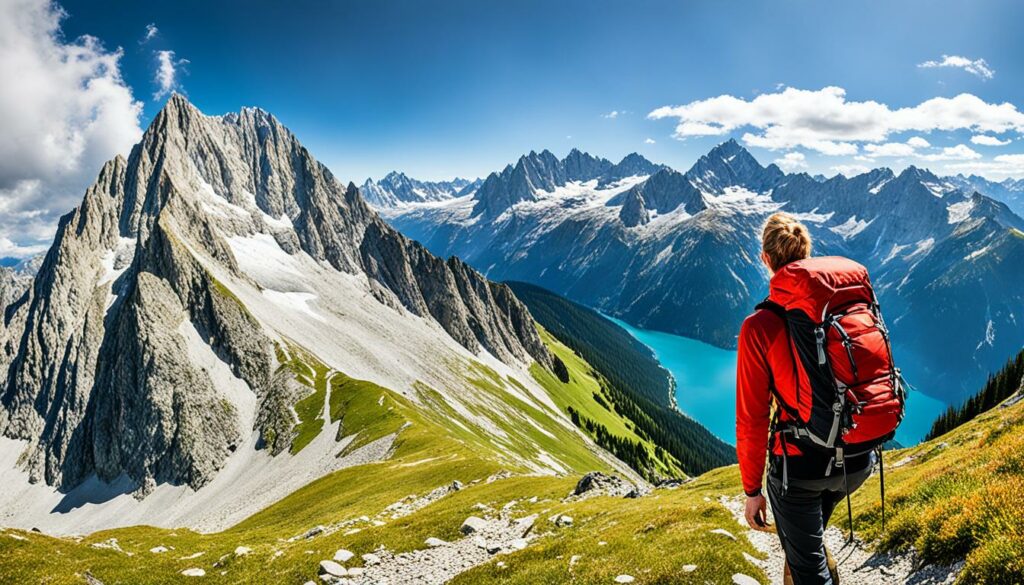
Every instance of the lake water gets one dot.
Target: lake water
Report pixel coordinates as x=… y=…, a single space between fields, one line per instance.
x=706 y=385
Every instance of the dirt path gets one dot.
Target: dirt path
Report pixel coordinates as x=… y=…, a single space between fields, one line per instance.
x=857 y=563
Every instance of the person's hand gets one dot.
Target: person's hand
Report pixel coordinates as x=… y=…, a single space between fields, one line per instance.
x=757 y=513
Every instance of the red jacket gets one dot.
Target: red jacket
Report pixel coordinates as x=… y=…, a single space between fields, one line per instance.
x=764 y=355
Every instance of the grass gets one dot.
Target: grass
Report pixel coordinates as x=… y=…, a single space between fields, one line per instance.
x=956 y=497
x=581 y=393
x=499 y=426
x=650 y=538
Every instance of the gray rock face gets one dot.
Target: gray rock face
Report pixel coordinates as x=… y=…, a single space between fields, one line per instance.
x=97 y=356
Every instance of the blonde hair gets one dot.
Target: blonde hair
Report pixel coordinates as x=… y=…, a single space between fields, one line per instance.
x=785 y=240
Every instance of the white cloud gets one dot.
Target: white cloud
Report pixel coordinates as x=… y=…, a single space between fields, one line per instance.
x=611 y=115
x=958 y=152
x=918 y=142
x=9 y=249
x=792 y=161
x=824 y=121
x=1001 y=167
x=986 y=140
x=850 y=170
x=64 y=110
x=649 y=141
x=889 y=149
x=976 y=67
x=167 y=73
x=151 y=31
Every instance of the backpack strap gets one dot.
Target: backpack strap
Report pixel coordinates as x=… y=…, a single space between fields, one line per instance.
x=772 y=306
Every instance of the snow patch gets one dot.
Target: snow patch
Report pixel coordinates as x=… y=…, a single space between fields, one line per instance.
x=851 y=227
x=960 y=211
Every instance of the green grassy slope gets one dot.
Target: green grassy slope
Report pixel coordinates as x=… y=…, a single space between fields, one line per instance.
x=958 y=496
x=637 y=385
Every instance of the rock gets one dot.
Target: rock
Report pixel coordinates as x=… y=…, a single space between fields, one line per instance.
x=456 y=486
x=741 y=579
x=723 y=532
x=313 y=532
x=563 y=520
x=597 y=483
x=435 y=542
x=158 y=549
x=493 y=549
x=194 y=572
x=371 y=559
x=574 y=559
x=624 y=579
x=472 y=524
x=342 y=556
x=518 y=544
x=688 y=568
x=309 y=583
x=356 y=571
x=352 y=531
x=332 y=568
x=242 y=551
x=602 y=543
x=525 y=525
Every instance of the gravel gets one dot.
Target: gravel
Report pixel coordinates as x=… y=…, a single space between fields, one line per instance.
x=857 y=563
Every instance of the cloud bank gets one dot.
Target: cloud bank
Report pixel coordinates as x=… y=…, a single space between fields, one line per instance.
x=826 y=122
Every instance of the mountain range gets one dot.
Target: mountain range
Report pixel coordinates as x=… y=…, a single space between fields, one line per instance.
x=679 y=252
x=221 y=322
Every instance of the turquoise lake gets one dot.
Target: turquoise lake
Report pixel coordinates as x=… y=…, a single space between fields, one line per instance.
x=706 y=385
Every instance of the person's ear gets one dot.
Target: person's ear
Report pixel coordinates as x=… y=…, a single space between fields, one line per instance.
x=767 y=264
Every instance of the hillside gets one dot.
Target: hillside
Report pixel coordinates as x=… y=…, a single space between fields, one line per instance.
x=956 y=497
x=637 y=385
x=1000 y=386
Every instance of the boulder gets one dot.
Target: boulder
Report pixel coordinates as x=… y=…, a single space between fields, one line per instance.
x=625 y=579
x=473 y=524
x=597 y=483
x=332 y=568
x=342 y=556
x=242 y=551
x=371 y=559
x=435 y=542
x=158 y=549
x=194 y=572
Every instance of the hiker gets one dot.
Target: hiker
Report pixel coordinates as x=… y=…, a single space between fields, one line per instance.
x=816 y=391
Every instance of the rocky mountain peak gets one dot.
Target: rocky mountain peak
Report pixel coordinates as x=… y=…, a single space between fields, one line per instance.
x=731 y=165
x=148 y=275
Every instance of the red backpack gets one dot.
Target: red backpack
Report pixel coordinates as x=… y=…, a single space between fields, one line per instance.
x=848 y=398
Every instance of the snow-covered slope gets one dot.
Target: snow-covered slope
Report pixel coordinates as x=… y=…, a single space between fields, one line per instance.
x=397 y=190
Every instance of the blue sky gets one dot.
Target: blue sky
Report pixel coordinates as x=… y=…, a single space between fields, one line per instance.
x=439 y=89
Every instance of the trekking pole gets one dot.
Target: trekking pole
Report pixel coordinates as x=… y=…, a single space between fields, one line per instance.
x=881 y=484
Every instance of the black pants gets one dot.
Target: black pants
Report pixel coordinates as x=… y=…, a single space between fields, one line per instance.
x=801 y=515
